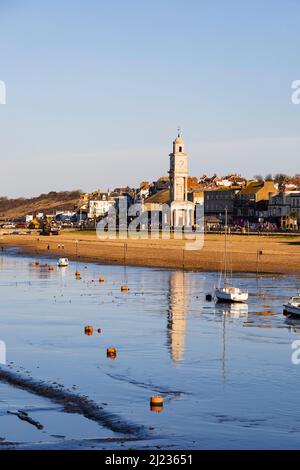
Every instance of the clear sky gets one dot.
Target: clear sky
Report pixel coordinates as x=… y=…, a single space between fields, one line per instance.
x=96 y=90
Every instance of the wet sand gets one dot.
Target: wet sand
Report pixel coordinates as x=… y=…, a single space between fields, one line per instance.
x=73 y=403
x=279 y=253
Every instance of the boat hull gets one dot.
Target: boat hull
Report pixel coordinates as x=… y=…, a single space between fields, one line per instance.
x=289 y=310
x=63 y=263
x=228 y=297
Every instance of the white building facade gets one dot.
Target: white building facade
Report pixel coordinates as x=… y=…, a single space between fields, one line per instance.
x=100 y=207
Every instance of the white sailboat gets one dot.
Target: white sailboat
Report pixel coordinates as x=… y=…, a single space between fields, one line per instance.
x=292 y=308
x=63 y=262
x=226 y=292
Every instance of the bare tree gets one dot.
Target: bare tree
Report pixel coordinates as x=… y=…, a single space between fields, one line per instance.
x=258 y=178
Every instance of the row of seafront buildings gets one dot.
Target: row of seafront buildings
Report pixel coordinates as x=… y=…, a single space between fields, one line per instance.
x=252 y=203
x=255 y=203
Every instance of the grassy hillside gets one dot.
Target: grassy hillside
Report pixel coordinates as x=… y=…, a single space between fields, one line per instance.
x=13 y=208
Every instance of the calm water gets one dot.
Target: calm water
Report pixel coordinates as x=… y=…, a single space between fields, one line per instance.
x=225 y=371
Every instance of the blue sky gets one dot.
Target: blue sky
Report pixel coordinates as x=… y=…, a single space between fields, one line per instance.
x=97 y=89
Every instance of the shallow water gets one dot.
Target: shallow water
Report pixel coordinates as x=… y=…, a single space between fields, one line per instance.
x=225 y=371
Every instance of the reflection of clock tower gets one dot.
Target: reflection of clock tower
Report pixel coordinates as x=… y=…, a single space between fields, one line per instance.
x=182 y=213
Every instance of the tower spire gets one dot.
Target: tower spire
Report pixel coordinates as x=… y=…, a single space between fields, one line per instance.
x=179 y=131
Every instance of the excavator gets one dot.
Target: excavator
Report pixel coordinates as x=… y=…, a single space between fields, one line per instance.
x=48 y=227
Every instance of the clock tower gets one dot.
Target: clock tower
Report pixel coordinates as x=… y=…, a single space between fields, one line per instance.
x=178 y=171
x=182 y=210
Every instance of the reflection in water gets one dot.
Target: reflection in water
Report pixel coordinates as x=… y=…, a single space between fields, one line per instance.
x=235 y=310
x=293 y=325
x=178 y=304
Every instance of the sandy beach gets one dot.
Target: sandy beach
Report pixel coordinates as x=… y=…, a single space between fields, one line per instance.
x=247 y=253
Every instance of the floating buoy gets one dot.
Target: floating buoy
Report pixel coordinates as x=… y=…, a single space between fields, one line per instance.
x=156 y=403
x=88 y=330
x=37 y=263
x=124 y=288
x=78 y=275
x=99 y=330
x=50 y=268
x=101 y=279
x=208 y=297
x=111 y=353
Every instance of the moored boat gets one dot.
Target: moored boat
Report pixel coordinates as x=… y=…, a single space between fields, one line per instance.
x=292 y=308
x=230 y=294
x=63 y=262
x=226 y=292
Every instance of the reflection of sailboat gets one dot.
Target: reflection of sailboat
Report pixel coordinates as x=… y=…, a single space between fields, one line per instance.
x=232 y=310
x=235 y=310
x=225 y=292
x=177 y=315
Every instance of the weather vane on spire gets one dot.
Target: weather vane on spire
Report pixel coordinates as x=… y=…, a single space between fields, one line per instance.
x=179 y=130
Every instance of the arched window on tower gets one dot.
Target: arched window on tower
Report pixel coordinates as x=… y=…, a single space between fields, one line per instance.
x=180 y=149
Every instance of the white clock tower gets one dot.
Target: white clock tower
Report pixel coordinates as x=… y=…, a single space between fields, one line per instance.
x=182 y=212
x=178 y=171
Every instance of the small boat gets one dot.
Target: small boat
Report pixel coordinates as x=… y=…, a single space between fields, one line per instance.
x=292 y=308
x=227 y=293
x=63 y=262
x=230 y=294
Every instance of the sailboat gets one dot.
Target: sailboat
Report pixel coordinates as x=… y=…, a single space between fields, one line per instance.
x=63 y=262
x=226 y=292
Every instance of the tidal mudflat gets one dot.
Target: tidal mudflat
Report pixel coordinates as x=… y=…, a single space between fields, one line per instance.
x=225 y=372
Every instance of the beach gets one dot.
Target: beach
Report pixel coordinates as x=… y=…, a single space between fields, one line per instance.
x=247 y=253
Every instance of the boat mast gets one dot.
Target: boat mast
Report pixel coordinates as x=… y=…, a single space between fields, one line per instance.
x=225 y=254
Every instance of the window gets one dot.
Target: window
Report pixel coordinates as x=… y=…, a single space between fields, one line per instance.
x=180 y=149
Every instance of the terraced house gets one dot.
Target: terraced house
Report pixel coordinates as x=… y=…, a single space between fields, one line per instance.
x=252 y=202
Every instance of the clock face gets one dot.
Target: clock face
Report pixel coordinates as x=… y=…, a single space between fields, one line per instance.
x=180 y=163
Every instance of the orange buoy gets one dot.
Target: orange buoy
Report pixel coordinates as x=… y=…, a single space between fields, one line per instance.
x=50 y=268
x=124 y=288
x=156 y=403
x=111 y=353
x=88 y=330
x=37 y=263
x=78 y=275
x=101 y=279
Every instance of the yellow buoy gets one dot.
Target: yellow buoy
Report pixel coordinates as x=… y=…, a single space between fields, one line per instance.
x=88 y=330
x=101 y=279
x=124 y=288
x=111 y=353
